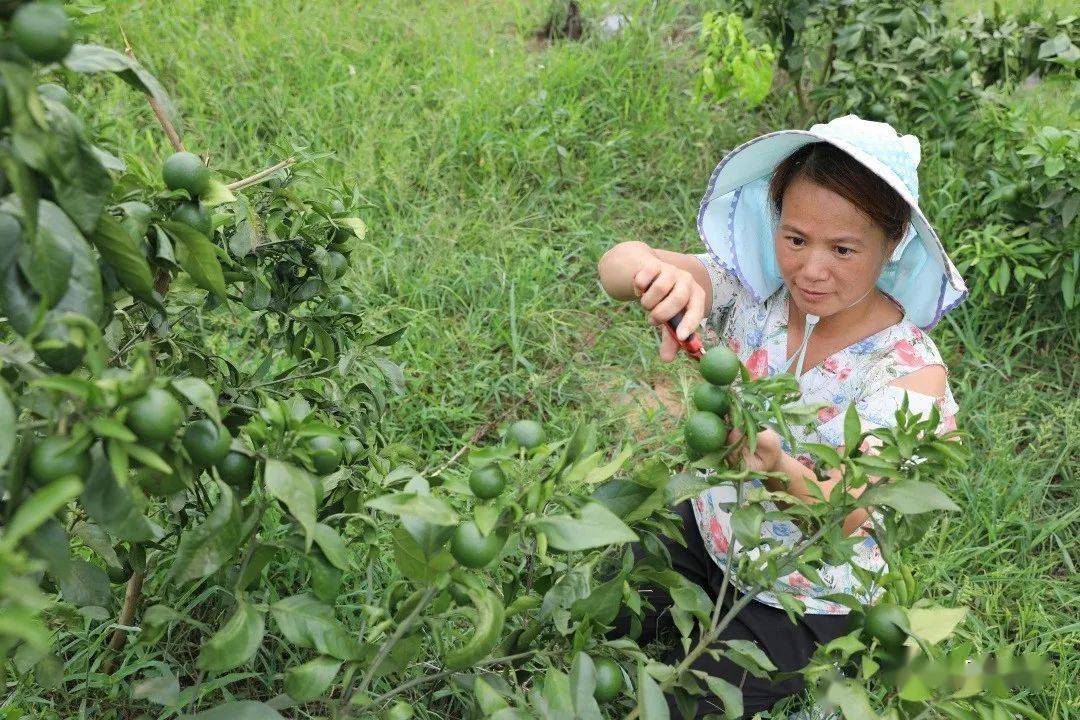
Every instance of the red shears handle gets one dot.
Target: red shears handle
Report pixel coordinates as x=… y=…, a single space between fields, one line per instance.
x=692 y=345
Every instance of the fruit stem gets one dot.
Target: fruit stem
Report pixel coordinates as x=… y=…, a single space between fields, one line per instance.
x=261 y=175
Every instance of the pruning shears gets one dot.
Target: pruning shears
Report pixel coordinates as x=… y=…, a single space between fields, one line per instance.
x=691 y=345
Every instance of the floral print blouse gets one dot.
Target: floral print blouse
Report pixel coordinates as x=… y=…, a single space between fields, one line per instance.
x=860 y=373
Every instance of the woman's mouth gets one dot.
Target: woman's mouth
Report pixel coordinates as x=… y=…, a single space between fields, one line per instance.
x=812 y=296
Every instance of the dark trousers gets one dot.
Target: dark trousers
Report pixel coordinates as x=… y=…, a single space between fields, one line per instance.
x=788 y=645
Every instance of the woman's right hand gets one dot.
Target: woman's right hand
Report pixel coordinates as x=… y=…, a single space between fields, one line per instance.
x=666 y=290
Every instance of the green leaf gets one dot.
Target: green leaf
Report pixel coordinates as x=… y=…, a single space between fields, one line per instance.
x=307 y=622
x=432 y=509
x=332 y=546
x=852 y=700
x=852 y=429
x=934 y=624
x=85 y=584
x=582 y=685
x=38 y=508
x=46 y=262
x=82 y=184
x=297 y=489
x=309 y=681
x=729 y=694
x=107 y=427
x=622 y=497
x=25 y=186
x=747 y=654
x=553 y=701
x=355 y=224
x=414 y=561
x=487 y=698
x=236 y=642
x=163 y=689
x=16 y=622
x=237 y=710
x=123 y=254
x=200 y=394
x=97 y=59
x=217 y=194
x=206 y=547
x=595 y=526
x=746 y=522
x=910 y=497
x=650 y=698
x=148 y=457
x=601 y=474
x=261 y=556
x=198 y=256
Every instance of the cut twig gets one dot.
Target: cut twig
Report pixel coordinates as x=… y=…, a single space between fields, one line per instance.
x=261 y=175
x=162 y=116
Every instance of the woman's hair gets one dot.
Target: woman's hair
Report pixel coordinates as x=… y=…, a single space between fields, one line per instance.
x=830 y=167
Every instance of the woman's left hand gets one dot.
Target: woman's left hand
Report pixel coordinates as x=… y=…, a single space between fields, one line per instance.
x=767 y=454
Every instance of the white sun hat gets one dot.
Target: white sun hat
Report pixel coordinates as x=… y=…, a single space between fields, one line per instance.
x=737 y=221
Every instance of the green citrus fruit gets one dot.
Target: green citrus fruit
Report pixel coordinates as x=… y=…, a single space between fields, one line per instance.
x=337 y=263
x=325 y=452
x=43 y=31
x=609 y=679
x=237 y=469
x=185 y=171
x=155 y=416
x=720 y=366
x=195 y=215
x=50 y=459
x=118 y=575
x=487 y=482
x=525 y=433
x=206 y=442
x=341 y=303
x=886 y=622
x=157 y=483
x=472 y=549
x=959 y=57
x=352 y=447
x=705 y=432
x=712 y=398
x=56 y=93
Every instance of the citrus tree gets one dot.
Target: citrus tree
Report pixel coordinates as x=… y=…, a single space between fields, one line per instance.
x=538 y=562
x=182 y=369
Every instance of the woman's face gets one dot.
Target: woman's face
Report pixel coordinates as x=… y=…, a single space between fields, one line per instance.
x=830 y=253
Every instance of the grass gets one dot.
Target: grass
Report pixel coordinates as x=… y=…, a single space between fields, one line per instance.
x=494 y=172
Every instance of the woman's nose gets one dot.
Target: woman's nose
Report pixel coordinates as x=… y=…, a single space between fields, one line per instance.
x=816 y=266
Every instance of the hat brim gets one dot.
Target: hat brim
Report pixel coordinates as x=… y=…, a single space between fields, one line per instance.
x=938 y=286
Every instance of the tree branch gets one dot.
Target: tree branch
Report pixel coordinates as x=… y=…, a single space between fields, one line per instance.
x=162 y=116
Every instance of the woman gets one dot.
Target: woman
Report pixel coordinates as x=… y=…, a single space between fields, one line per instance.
x=819 y=263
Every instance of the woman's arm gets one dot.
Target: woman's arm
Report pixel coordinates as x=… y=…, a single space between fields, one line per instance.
x=667 y=283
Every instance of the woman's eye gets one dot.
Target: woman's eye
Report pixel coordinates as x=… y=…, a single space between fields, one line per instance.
x=843 y=251
x=797 y=242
